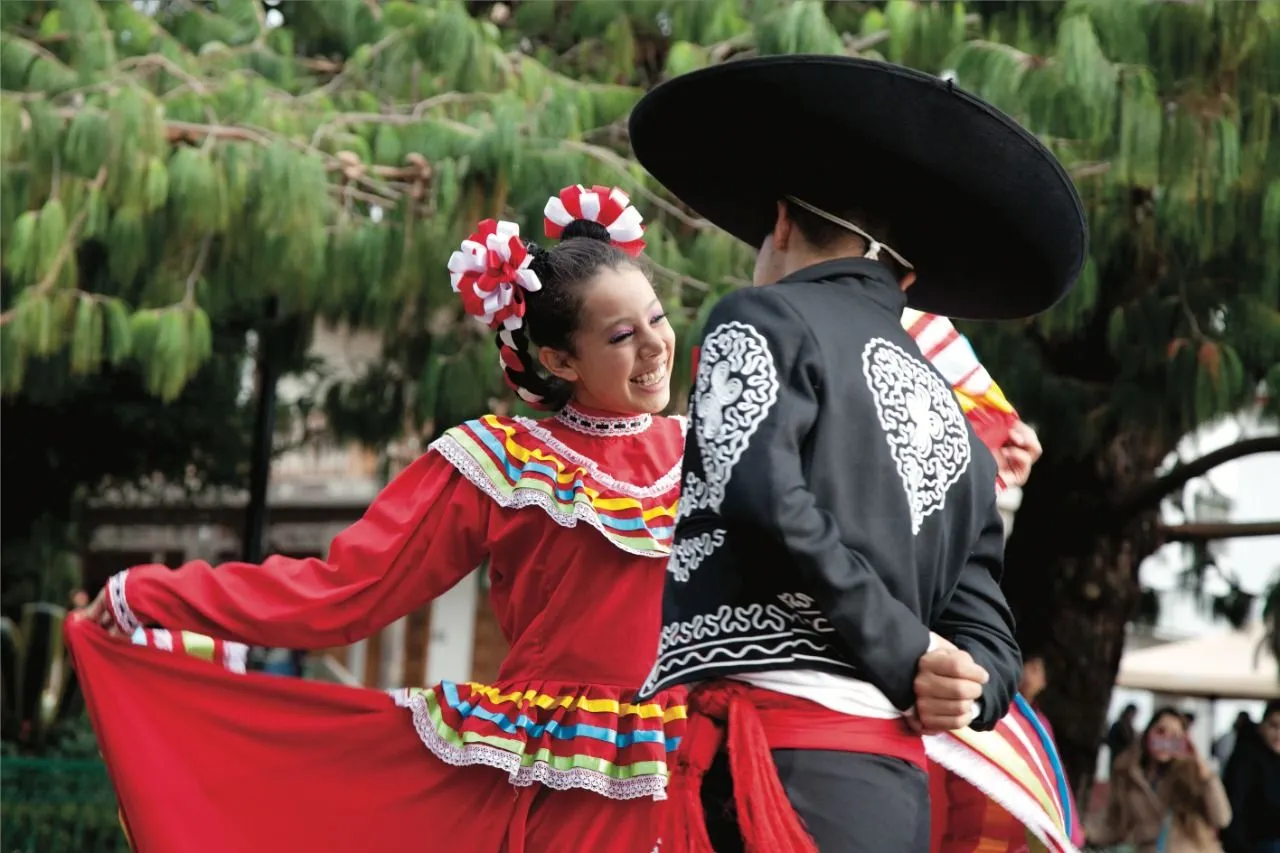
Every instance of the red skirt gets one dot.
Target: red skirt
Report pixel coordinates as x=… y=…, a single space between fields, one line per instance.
x=204 y=759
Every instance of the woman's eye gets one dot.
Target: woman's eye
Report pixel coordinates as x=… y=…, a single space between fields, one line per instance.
x=658 y=318
x=620 y=337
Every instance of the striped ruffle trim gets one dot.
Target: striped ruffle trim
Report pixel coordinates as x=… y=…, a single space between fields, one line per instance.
x=510 y=463
x=613 y=748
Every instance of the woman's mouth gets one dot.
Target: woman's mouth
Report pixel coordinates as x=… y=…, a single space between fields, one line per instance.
x=650 y=381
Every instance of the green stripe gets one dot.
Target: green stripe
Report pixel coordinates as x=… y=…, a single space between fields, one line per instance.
x=498 y=479
x=516 y=747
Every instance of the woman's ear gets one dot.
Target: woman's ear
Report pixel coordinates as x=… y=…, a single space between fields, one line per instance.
x=558 y=363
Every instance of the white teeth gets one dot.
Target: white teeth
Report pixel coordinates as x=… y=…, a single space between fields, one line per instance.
x=653 y=377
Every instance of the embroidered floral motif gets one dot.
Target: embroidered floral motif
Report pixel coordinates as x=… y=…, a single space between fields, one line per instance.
x=922 y=424
x=737 y=386
x=783 y=633
x=688 y=554
x=603 y=426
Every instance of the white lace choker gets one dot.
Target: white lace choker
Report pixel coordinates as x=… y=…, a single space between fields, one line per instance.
x=603 y=425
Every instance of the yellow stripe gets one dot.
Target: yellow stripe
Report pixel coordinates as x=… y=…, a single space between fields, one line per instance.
x=582 y=703
x=198 y=645
x=995 y=748
x=567 y=474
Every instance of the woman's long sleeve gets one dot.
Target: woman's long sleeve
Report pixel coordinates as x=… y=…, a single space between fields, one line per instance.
x=420 y=536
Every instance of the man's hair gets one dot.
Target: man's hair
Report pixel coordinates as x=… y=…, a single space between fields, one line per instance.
x=822 y=233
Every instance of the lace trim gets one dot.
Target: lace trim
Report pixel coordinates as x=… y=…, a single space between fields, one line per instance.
x=519 y=774
x=978 y=771
x=459 y=458
x=580 y=421
x=660 y=487
x=120 y=610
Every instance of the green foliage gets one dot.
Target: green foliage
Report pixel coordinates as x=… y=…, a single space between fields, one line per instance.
x=60 y=806
x=215 y=158
x=1166 y=115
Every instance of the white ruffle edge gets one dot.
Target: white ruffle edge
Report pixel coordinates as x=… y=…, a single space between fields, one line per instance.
x=976 y=770
x=459 y=458
x=519 y=774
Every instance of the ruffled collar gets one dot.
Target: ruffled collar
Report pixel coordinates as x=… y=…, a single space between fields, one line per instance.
x=602 y=424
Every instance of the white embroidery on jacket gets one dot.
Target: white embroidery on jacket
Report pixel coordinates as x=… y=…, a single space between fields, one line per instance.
x=736 y=387
x=688 y=553
x=788 y=632
x=923 y=425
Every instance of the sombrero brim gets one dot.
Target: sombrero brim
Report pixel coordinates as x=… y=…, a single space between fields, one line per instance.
x=985 y=213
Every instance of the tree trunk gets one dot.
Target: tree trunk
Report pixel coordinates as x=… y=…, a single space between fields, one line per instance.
x=1071 y=576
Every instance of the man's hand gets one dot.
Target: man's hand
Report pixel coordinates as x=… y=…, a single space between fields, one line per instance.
x=1019 y=453
x=947 y=685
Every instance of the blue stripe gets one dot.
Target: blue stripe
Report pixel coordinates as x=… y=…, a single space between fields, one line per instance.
x=552 y=728
x=566 y=495
x=1059 y=776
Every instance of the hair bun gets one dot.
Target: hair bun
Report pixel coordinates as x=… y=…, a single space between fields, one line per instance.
x=599 y=213
x=491 y=272
x=586 y=228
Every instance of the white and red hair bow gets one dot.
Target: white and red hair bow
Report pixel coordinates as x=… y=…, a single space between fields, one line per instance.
x=491 y=273
x=608 y=206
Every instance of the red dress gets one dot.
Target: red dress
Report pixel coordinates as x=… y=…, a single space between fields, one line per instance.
x=574 y=516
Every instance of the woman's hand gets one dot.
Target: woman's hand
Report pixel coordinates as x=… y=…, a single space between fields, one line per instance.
x=99 y=612
x=1020 y=452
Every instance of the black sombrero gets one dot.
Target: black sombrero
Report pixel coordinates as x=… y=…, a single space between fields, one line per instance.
x=982 y=210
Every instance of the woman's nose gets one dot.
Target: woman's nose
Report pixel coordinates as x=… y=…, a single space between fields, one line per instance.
x=651 y=342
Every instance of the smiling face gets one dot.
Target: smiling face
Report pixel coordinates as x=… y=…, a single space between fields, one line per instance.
x=623 y=347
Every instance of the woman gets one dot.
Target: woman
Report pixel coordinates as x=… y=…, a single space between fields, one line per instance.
x=573 y=515
x=1164 y=797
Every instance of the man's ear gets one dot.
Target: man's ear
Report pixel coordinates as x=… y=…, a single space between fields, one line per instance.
x=908 y=280
x=557 y=363
x=782 y=227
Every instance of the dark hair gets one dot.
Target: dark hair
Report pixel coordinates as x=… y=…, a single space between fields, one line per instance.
x=1273 y=707
x=822 y=233
x=552 y=314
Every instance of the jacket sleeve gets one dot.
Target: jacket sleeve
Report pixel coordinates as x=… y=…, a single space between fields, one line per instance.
x=760 y=352
x=1216 y=803
x=419 y=537
x=978 y=620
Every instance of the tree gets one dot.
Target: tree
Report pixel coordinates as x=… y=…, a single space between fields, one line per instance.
x=331 y=155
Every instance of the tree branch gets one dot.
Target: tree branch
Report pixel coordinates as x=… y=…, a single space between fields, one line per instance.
x=65 y=251
x=623 y=167
x=1209 y=531
x=1150 y=495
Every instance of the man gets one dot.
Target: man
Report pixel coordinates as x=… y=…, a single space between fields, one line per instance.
x=1123 y=733
x=1225 y=745
x=833 y=591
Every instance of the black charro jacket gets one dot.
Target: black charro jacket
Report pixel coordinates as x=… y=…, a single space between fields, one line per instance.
x=836 y=505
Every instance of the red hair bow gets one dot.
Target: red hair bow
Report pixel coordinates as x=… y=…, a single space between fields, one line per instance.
x=608 y=206
x=491 y=273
